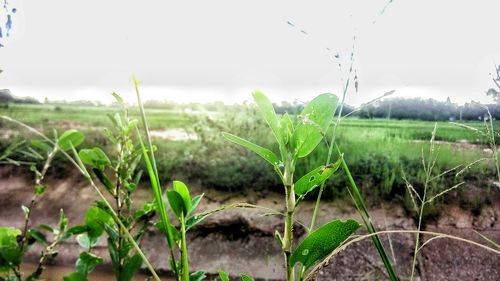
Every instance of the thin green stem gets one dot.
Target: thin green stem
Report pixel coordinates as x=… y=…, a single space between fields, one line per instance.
x=290 y=209
x=149 y=158
x=184 y=252
x=365 y=215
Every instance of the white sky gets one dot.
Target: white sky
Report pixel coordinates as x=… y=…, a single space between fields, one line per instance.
x=222 y=50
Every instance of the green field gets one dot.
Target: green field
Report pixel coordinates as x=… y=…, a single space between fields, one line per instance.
x=380 y=151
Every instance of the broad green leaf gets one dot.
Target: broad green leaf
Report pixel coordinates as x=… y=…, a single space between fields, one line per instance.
x=94 y=157
x=315 y=120
x=130 y=267
x=95 y=220
x=321 y=242
x=245 y=277
x=176 y=203
x=75 y=276
x=223 y=276
x=70 y=138
x=265 y=153
x=9 y=249
x=87 y=262
x=315 y=178
x=197 y=276
x=267 y=110
x=183 y=191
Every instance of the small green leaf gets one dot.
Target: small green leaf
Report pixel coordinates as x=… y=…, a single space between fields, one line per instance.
x=70 y=138
x=95 y=220
x=85 y=241
x=278 y=237
x=315 y=178
x=267 y=110
x=194 y=220
x=38 y=236
x=176 y=203
x=196 y=200
x=77 y=229
x=118 y=98
x=94 y=157
x=46 y=227
x=245 y=277
x=315 y=120
x=223 y=276
x=265 y=153
x=63 y=221
x=130 y=267
x=75 y=276
x=41 y=145
x=321 y=242
x=286 y=127
x=87 y=263
x=40 y=189
x=183 y=191
x=130 y=126
x=26 y=210
x=104 y=180
x=197 y=276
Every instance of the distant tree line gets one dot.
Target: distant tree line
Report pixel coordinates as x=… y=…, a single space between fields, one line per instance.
x=7 y=97
x=427 y=109
x=391 y=108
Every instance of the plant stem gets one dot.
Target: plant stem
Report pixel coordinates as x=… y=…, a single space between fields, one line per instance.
x=184 y=253
x=417 y=239
x=365 y=215
x=149 y=158
x=290 y=209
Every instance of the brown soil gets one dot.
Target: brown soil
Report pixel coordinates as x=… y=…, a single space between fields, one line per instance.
x=242 y=240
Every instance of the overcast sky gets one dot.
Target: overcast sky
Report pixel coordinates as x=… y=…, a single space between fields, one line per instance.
x=222 y=50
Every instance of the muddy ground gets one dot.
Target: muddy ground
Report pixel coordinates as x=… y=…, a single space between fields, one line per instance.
x=242 y=240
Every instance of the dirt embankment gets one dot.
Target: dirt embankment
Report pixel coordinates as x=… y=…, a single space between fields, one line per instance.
x=240 y=240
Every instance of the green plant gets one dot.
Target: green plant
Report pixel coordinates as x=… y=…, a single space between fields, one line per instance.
x=103 y=213
x=180 y=202
x=429 y=194
x=296 y=141
x=120 y=179
x=14 y=243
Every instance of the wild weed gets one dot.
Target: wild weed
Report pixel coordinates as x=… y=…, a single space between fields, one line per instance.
x=14 y=242
x=296 y=141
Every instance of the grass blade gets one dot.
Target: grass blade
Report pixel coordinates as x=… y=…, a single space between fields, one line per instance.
x=365 y=215
x=153 y=176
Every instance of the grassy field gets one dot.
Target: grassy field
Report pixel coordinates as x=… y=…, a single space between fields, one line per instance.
x=379 y=151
